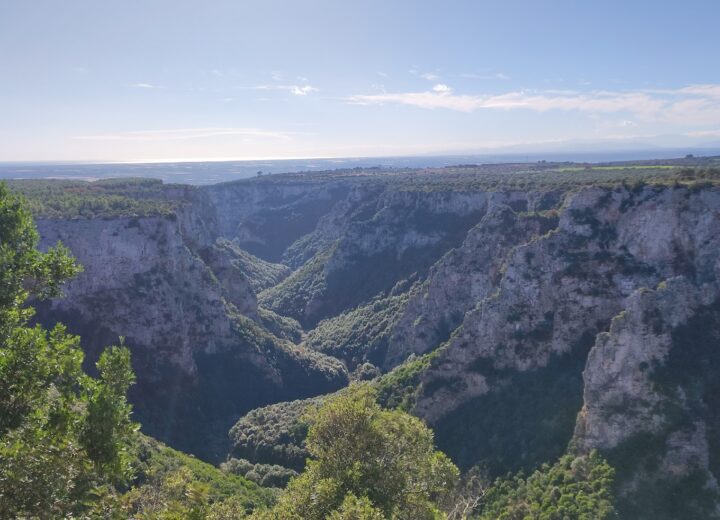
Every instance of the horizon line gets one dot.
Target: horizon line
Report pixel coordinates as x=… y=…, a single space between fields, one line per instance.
x=505 y=153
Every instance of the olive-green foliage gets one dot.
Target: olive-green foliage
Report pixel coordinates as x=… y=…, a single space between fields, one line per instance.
x=267 y=475
x=399 y=388
x=334 y=372
x=274 y=434
x=63 y=434
x=354 y=508
x=281 y=326
x=260 y=273
x=360 y=334
x=577 y=488
x=127 y=197
x=290 y=296
x=357 y=449
x=172 y=485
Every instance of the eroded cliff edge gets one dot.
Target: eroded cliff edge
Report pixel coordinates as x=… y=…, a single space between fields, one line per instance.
x=522 y=318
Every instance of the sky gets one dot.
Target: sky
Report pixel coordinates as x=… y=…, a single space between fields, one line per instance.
x=153 y=80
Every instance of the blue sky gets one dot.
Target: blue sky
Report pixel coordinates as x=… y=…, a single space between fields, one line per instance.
x=163 y=80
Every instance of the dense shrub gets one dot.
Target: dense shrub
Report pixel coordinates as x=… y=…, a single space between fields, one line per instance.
x=573 y=488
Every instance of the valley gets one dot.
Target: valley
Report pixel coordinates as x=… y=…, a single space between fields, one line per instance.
x=523 y=311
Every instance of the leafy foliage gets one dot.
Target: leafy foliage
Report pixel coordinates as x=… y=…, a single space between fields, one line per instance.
x=399 y=388
x=172 y=485
x=260 y=273
x=360 y=334
x=274 y=434
x=359 y=450
x=267 y=475
x=62 y=433
x=573 y=488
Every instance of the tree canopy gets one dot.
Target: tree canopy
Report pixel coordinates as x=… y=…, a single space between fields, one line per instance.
x=367 y=463
x=63 y=434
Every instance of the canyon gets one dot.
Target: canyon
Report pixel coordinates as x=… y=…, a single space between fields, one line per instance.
x=522 y=311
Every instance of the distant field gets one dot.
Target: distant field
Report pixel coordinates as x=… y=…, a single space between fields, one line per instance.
x=618 y=168
x=213 y=172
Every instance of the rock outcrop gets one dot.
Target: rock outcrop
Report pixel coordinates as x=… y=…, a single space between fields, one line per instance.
x=200 y=349
x=529 y=321
x=651 y=392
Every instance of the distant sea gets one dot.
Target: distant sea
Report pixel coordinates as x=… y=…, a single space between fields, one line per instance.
x=222 y=171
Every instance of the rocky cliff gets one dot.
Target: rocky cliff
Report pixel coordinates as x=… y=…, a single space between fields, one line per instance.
x=202 y=349
x=521 y=314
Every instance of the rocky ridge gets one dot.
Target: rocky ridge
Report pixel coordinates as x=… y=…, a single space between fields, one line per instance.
x=546 y=318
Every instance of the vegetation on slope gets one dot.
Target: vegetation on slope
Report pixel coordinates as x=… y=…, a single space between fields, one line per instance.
x=361 y=334
x=128 y=197
x=274 y=434
x=573 y=488
x=527 y=419
x=169 y=484
x=68 y=447
x=291 y=295
x=260 y=273
x=366 y=463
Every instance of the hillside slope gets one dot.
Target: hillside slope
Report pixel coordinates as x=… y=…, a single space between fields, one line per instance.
x=521 y=310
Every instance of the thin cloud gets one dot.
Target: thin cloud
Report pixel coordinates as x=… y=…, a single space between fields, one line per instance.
x=694 y=104
x=702 y=90
x=705 y=133
x=497 y=75
x=295 y=90
x=302 y=91
x=145 y=86
x=430 y=76
x=182 y=134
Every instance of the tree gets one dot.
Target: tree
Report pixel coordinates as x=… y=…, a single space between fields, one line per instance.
x=367 y=463
x=573 y=488
x=63 y=434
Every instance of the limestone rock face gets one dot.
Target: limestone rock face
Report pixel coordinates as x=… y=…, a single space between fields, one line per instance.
x=559 y=289
x=265 y=218
x=373 y=239
x=653 y=378
x=460 y=280
x=200 y=351
x=140 y=277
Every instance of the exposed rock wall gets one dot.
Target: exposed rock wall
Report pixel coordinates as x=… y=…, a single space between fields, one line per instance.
x=572 y=281
x=373 y=240
x=556 y=317
x=651 y=392
x=200 y=350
